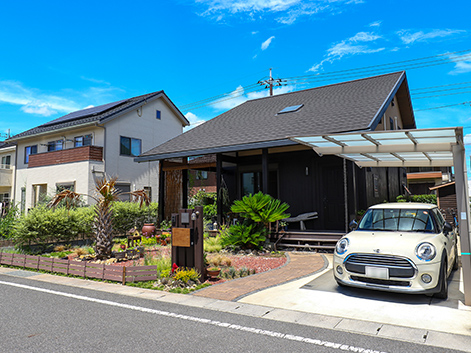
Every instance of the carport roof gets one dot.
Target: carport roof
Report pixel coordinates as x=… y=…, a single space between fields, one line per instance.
x=399 y=148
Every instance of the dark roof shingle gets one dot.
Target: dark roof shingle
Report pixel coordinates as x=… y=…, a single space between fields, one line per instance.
x=342 y=107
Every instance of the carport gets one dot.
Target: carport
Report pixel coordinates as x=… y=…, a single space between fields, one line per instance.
x=441 y=147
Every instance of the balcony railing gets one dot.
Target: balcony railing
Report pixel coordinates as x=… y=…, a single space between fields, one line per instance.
x=77 y=154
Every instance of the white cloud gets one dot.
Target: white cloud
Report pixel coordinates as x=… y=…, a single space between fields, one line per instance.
x=267 y=43
x=238 y=96
x=33 y=101
x=408 y=37
x=194 y=120
x=348 y=47
x=94 y=80
x=461 y=67
x=38 y=108
x=375 y=24
x=284 y=11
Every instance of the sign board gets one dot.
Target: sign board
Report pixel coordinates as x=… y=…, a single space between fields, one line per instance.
x=181 y=237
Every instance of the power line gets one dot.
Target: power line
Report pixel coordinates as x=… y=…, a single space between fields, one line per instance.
x=443 y=106
x=445 y=58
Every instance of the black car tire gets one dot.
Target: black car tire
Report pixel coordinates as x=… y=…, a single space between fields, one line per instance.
x=456 y=264
x=443 y=294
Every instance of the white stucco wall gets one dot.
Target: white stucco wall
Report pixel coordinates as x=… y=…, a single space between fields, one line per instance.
x=7 y=176
x=391 y=112
x=143 y=126
x=151 y=131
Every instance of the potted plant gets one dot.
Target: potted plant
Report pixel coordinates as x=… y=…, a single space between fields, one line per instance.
x=213 y=272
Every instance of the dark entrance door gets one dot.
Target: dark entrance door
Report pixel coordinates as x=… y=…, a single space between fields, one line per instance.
x=333 y=206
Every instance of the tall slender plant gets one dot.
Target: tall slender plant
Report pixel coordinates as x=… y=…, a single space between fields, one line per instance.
x=107 y=193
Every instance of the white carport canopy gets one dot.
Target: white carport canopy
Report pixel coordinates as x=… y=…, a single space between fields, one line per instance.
x=441 y=147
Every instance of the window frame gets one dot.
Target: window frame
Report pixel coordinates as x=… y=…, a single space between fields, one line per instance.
x=4 y=160
x=129 y=147
x=158 y=114
x=29 y=154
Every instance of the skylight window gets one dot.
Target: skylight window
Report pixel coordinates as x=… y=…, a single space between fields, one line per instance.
x=291 y=109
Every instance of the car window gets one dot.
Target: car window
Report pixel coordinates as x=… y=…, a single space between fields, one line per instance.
x=408 y=220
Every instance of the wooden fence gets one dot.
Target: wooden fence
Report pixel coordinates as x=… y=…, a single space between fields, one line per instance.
x=83 y=269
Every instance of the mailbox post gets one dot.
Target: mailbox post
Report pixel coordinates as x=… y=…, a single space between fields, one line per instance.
x=187 y=238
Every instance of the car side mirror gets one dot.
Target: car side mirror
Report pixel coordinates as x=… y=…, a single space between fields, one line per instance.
x=353 y=225
x=447 y=228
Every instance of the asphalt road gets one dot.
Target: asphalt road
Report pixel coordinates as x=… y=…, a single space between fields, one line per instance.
x=43 y=317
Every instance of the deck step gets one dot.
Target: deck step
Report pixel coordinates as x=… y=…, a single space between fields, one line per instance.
x=311 y=246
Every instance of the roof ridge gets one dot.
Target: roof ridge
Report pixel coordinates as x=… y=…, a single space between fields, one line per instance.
x=331 y=85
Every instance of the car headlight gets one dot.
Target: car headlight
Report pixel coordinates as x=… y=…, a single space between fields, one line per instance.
x=426 y=251
x=342 y=246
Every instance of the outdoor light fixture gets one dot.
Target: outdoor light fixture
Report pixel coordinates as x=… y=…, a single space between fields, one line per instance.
x=193 y=216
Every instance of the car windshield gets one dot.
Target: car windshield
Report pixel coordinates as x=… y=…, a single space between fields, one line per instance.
x=393 y=219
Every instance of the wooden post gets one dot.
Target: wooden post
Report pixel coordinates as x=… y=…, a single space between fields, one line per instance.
x=218 y=188
x=124 y=275
x=184 y=188
x=265 y=170
x=161 y=213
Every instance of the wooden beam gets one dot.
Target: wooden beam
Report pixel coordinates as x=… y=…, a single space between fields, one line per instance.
x=179 y=166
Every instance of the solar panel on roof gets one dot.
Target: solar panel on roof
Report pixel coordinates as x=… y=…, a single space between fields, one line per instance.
x=85 y=112
x=290 y=109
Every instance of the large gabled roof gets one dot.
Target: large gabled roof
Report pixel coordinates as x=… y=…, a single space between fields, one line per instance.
x=349 y=106
x=98 y=114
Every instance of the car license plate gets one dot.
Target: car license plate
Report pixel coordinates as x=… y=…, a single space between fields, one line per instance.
x=377 y=272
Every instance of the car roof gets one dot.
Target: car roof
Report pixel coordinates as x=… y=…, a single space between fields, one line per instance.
x=404 y=205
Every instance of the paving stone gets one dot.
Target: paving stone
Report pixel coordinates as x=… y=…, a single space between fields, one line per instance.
x=370 y=328
x=284 y=315
x=448 y=340
x=318 y=320
x=252 y=310
x=404 y=333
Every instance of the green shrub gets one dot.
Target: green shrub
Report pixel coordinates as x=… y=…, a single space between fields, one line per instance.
x=212 y=244
x=244 y=235
x=42 y=225
x=207 y=200
x=186 y=274
x=261 y=208
x=8 y=222
x=127 y=215
x=426 y=198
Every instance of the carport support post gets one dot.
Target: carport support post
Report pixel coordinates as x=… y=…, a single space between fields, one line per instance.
x=462 y=198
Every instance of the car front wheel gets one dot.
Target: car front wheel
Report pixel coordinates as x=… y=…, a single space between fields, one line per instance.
x=443 y=293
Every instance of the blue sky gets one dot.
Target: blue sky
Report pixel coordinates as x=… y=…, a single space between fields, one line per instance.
x=57 y=57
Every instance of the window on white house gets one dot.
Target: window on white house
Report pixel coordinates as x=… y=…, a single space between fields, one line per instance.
x=158 y=114
x=130 y=146
x=85 y=140
x=6 y=162
x=124 y=190
x=148 y=191
x=29 y=150
x=55 y=145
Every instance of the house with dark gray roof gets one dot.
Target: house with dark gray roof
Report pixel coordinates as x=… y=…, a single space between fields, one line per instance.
x=69 y=152
x=254 y=151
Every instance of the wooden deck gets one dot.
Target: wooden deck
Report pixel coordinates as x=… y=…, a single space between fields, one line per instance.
x=318 y=240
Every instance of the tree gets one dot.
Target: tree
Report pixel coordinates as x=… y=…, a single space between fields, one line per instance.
x=107 y=193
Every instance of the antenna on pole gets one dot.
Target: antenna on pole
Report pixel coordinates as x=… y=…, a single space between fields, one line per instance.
x=270 y=83
x=5 y=136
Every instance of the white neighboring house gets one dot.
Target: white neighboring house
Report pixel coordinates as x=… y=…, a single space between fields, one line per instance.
x=69 y=152
x=7 y=171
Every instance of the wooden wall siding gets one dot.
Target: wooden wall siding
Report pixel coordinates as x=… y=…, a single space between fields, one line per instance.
x=83 y=269
x=78 y=154
x=173 y=192
x=446 y=200
x=322 y=189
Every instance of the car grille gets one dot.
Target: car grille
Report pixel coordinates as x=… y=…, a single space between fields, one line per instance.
x=399 y=267
x=383 y=282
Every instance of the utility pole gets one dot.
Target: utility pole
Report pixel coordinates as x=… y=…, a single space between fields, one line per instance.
x=270 y=83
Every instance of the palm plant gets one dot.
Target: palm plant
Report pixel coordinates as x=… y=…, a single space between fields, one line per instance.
x=107 y=193
x=261 y=208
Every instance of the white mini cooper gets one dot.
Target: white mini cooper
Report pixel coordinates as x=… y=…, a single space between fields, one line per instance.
x=398 y=247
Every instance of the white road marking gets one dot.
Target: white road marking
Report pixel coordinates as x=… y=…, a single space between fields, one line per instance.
x=317 y=342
